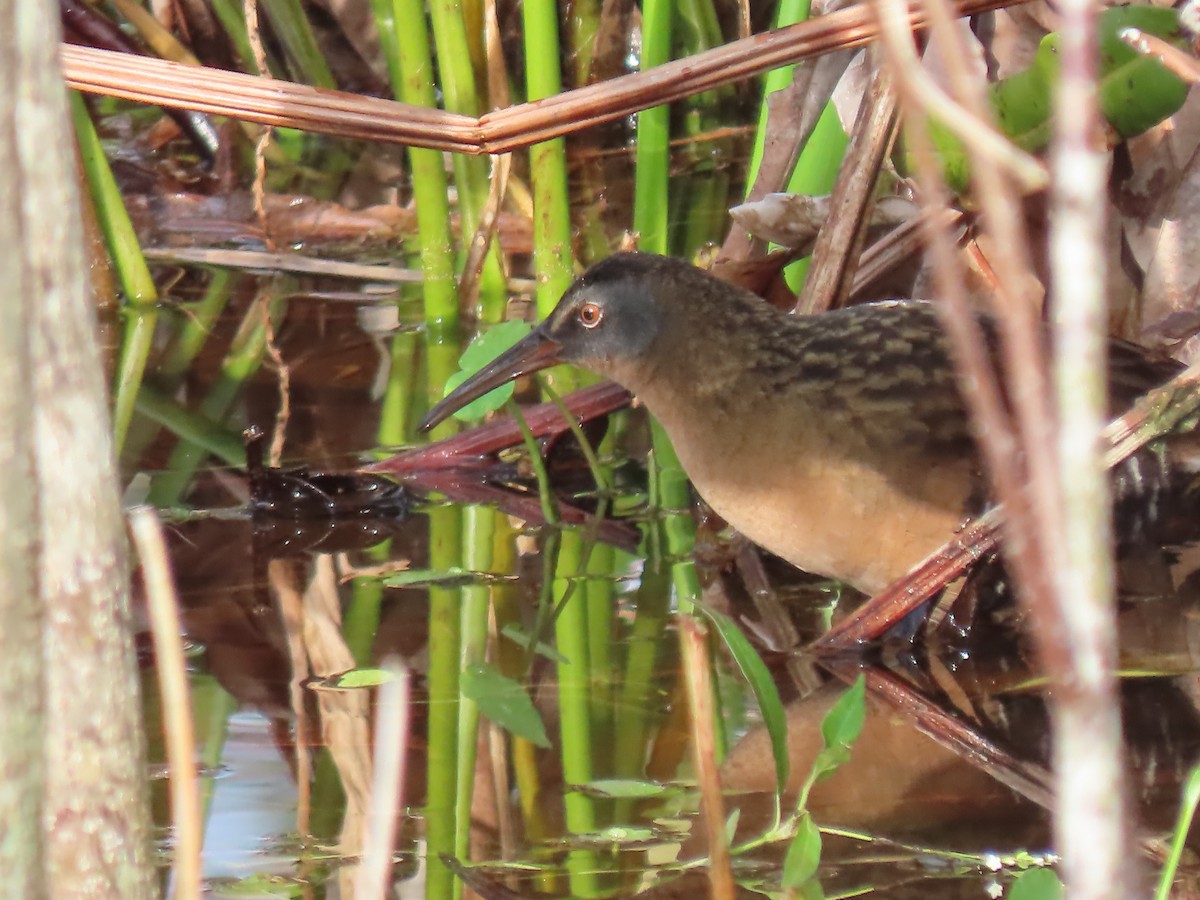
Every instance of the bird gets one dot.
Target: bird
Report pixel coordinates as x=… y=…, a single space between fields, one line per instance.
x=838 y=441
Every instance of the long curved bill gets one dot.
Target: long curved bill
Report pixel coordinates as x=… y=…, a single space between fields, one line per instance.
x=534 y=352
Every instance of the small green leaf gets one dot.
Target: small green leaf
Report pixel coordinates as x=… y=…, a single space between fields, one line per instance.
x=731 y=824
x=829 y=760
x=763 y=685
x=415 y=577
x=844 y=722
x=803 y=854
x=353 y=679
x=625 y=788
x=1036 y=884
x=478 y=354
x=505 y=702
x=523 y=639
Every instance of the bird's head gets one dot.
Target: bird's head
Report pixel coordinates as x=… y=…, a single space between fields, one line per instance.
x=606 y=322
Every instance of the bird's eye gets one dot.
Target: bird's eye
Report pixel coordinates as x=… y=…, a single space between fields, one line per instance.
x=590 y=315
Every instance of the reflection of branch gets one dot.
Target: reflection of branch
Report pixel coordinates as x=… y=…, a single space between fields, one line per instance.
x=1027 y=779
x=284 y=103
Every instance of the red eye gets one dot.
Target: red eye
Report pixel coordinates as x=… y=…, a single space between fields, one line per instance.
x=590 y=315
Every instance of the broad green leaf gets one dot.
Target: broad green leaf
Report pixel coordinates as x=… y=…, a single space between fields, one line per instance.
x=478 y=354
x=505 y=702
x=763 y=685
x=803 y=853
x=1135 y=92
x=844 y=722
x=1036 y=884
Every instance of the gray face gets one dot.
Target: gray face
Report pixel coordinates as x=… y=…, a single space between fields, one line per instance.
x=609 y=316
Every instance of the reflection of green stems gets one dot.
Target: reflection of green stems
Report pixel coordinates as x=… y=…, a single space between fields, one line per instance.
x=212 y=706
x=478 y=533
x=361 y=621
x=545 y=491
x=195 y=329
x=190 y=427
x=395 y=412
x=599 y=598
x=643 y=653
x=242 y=361
x=445 y=631
x=571 y=637
x=132 y=271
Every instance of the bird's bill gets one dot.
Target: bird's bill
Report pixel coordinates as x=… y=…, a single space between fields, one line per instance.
x=534 y=352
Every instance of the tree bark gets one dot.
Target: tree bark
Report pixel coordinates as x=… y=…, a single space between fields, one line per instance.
x=96 y=812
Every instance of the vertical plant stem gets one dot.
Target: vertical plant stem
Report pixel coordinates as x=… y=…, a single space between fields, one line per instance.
x=445 y=656
x=478 y=532
x=291 y=26
x=1091 y=824
x=470 y=172
x=134 y=274
x=571 y=636
x=428 y=172
x=652 y=156
x=548 y=163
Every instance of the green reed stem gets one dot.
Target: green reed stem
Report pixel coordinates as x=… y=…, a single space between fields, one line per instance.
x=574 y=703
x=416 y=86
x=471 y=173
x=291 y=26
x=132 y=271
x=195 y=329
x=789 y=12
x=445 y=642
x=548 y=163
x=652 y=157
x=233 y=22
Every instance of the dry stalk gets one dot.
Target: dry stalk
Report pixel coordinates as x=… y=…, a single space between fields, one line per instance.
x=839 y=242
x=387 y=788
x=163 y=606
x=273 y=102
x=1092 y=829
x=699 y=677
